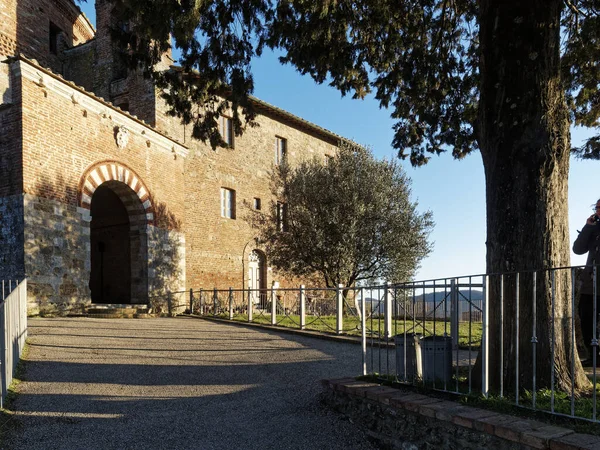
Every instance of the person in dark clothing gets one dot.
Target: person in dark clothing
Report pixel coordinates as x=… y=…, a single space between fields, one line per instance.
x=588 y=241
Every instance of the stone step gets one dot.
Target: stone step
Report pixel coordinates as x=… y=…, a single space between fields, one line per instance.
x=117 y=311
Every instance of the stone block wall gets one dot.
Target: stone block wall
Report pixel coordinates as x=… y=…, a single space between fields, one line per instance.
x=11 y=237
x=57 y=259
x=166 y=261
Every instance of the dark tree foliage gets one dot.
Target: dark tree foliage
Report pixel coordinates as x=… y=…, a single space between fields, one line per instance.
x=348 y=221
x=419 y=57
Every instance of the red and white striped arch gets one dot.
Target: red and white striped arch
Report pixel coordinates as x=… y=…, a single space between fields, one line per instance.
x=124 y=182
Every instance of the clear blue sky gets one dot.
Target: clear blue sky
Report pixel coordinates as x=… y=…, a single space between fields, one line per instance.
x=453 y=190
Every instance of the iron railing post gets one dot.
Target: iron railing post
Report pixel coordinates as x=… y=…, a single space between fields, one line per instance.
x=454 y=314
x=191 y=301
x=517 y=340
x=302 y=307
x=250 y=305
x=485 y=363
x=363 y=325
x=274 y=303
x=230 y=303
x=339 y=322
x=534 y=341
x=215 y=298
x=501 y=339
x=387 y=311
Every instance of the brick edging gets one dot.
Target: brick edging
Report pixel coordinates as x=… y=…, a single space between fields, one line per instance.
x=524 y=432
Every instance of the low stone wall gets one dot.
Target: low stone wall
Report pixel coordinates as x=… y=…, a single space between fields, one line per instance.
x=405 y=420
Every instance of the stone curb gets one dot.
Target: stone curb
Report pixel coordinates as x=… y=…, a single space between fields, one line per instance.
x=527 y=433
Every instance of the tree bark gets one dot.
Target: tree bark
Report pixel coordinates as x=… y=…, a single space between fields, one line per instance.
x=523 y=133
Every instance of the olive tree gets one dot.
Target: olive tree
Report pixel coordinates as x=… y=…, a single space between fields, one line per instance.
x=348 y=220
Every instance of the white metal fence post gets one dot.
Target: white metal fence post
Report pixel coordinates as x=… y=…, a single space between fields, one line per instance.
x=302 y=307
x=363 y=326
x=485 y=363
x=339 y=322
x=387 y=311
x=274 y=303
x=3 y=347
x=454 y=313
x=230 y=303
x=250 y=305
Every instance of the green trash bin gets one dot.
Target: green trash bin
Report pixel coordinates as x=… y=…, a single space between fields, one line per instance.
x=436 y=353
x=408 y=356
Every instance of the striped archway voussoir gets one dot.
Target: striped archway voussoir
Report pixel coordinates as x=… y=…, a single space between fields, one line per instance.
x=111 y=171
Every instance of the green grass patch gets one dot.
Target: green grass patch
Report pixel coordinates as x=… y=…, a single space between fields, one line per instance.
x=468 y=336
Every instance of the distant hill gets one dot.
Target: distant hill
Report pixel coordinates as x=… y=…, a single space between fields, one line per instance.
x=476 y=295
x=463 y=295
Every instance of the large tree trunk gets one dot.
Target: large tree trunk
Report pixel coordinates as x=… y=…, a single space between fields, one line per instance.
x=524 y=139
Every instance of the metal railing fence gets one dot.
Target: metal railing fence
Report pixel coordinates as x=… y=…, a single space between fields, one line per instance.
x=515 y=336
x=321 y=309
x=13 y=318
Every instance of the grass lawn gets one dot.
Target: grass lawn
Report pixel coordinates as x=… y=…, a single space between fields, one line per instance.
x=351 y=326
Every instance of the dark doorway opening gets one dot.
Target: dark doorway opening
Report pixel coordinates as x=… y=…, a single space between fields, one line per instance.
x=110 y=277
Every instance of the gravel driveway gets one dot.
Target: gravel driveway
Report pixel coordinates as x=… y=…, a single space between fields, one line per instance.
x=178 y=384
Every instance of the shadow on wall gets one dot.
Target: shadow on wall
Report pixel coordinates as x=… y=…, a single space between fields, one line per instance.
x=56 y=247
x=166 y=258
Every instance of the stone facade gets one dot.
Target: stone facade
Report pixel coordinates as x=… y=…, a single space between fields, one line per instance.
x=103 y=196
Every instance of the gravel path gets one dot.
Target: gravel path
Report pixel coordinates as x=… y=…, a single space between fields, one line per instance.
x=178 y=384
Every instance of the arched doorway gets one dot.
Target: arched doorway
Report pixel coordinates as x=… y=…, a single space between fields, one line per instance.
x=121 y=211
x=118 y=245
x=110 y=250
x=257 y=277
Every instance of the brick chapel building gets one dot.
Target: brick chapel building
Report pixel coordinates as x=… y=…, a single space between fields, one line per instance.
x=104 y=198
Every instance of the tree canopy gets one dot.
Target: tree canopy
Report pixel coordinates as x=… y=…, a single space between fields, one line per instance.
x=346 y=221
x=420 y=58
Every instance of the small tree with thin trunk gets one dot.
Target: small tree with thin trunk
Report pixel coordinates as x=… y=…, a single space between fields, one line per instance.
x=348 y=220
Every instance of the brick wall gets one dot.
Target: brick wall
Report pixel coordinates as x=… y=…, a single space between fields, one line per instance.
x=78 y=65
x=25 y=27
x=10 y=136
x=11 y=200
x=217 y=246
x=67 y=134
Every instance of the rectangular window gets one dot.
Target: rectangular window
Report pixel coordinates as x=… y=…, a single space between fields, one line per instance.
x=280 y=150
x=53 y=38
x=226 y=130
x=282 y=219
x=228 y=203
x=257 y=203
